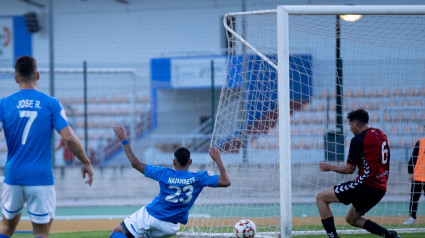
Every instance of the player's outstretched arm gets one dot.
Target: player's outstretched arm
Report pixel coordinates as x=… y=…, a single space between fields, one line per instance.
x=223 y=178
x=134 y=161
x=346 y=169
x=74 y=144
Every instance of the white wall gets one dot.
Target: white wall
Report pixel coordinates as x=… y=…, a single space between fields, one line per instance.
x=183 y=116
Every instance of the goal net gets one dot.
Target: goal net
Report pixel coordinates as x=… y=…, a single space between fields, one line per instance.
x=315 y=67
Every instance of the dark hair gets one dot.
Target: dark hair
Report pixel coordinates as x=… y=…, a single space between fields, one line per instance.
x=182 y=155
x=26 y=67
x=359 y=115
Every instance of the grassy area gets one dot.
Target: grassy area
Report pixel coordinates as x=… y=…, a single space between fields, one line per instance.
x=103 y=234
x=87 y=234
x=402 y=235
x=229 y=230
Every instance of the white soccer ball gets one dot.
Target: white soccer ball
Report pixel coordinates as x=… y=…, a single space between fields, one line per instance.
x=245 y=229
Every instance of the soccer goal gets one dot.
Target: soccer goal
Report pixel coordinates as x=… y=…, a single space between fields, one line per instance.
x=293 y=74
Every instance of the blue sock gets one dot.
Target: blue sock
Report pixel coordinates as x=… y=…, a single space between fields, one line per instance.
x=116 y=234
x=3 y=236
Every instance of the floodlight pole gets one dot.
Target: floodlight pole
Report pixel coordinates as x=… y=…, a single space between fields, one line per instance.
x=339 y=78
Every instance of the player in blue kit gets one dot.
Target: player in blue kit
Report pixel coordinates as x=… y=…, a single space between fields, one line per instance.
x=28 y=118
x=179 y=189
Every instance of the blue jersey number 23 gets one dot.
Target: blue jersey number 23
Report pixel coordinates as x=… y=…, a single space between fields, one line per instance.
x=188 y=190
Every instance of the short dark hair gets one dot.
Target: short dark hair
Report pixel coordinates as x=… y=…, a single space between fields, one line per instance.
x=182 y=155
x=26 y=67
x=359 y=115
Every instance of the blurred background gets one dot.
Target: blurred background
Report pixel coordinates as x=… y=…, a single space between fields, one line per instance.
x=154 y=67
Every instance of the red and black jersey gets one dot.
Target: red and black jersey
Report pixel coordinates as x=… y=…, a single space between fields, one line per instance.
x=369 y=150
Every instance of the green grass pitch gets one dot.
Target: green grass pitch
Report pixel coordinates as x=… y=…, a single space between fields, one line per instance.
x=103 y=234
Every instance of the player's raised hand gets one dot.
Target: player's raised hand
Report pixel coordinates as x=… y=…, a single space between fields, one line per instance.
x=120 y=132
x=215 y=154
x=87 y=170
x=223 y=178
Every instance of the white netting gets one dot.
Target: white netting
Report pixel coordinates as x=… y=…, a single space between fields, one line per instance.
x=382 y=71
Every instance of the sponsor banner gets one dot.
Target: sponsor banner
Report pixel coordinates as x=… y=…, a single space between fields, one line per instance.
x=195 y=72
x=6 y=42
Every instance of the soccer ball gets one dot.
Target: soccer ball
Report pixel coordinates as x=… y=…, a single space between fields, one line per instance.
x=245 y=229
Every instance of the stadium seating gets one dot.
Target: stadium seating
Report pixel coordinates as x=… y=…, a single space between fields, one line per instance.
x=105 y=111
x=397 y=111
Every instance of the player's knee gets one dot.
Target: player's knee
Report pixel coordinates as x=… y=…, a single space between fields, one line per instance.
x=320 y=197
x=351 y=220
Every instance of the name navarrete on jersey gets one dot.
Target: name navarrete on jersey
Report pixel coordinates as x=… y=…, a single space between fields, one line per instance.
x=181 y=181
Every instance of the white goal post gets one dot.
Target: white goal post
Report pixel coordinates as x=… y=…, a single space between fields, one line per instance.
x=282 y=110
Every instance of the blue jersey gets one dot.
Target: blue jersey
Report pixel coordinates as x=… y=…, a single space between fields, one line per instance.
x=178 y=191
x=28 y=118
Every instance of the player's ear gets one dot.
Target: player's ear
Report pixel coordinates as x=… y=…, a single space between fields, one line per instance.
x=190 y=162
x=174 y=162
x=37 y=75
x=16 y=79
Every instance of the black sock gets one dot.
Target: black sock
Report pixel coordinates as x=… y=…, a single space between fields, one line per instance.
x=329 y=226
x=374 y=228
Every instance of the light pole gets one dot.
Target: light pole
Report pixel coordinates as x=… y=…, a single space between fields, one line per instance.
x=335 y=140
x=339 y=79
x=339 y=66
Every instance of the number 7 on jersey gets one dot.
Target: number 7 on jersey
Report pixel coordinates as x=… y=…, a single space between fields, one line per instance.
x=31 y=115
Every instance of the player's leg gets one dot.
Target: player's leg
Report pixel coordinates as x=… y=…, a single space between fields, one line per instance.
x=121 y=231
x=365 y=199
x=357 y=219
x=41 y=230
x=415 y=194
x=41 y=204
x=13 y=200
x=7 y=227
x=323 y=199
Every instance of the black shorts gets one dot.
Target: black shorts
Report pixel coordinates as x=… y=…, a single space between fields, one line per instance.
x=362 y=197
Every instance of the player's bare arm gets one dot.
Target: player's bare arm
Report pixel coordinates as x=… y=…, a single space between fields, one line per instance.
x=74 y=144
x=134 y=160
x=223 y=179
x=346 y=169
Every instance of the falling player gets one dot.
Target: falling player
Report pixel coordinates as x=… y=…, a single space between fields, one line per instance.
x=179 y=189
